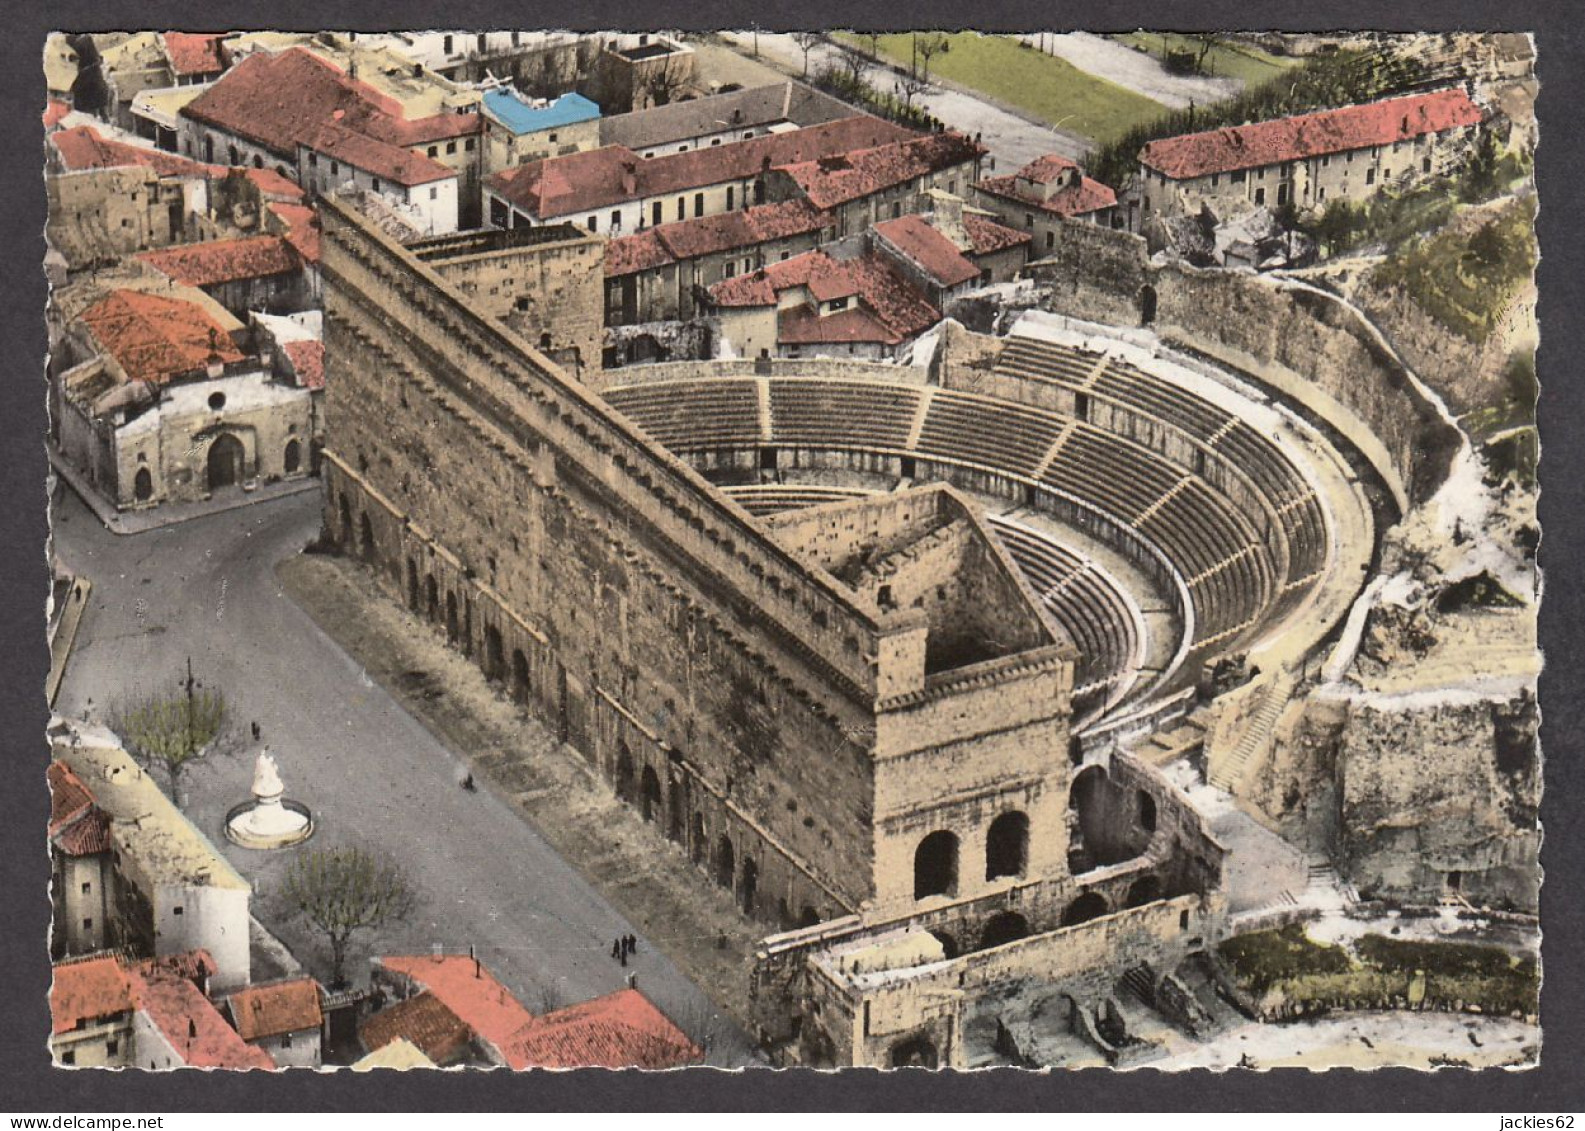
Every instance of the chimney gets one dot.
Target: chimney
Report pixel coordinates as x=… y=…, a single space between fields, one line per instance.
x=477 y=973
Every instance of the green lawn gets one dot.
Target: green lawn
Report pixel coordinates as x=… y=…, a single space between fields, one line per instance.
x=1230 y=60
x=1047 y=88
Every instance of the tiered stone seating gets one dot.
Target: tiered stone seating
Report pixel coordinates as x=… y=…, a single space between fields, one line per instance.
x=693 y=415
x=770 y=498
x=989 y=433
x=817 y=413
x=1120 y=478
x=1048 y=361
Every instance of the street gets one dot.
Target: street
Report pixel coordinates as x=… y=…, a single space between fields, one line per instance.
x=373 y=776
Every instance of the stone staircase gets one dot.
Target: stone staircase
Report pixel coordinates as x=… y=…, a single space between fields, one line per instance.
x=1325 y=878
x=1228 y=772
x=1167 y=746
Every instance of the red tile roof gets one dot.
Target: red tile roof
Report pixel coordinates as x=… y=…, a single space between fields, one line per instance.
x=846 y=176
x=274 y=1009
x=421 y=1019
x=54 y=111
x=154 y=338
x=193 y=965
x=1084 y=196
x=620 y=1030
x=224 y=261
x=83 y=147
x=69 y=796
x=614 y=174
x=195 y=53
x=274 y=187
x=279 y=100
x=83 y=992
x=708 y=235
x=468 y=989
x=308 y=362
x=192 y=1026
x=1309 y=135
x=390 y=162
x=924 y=245
x=988 y=236
x=891 y=312
x=301 y=228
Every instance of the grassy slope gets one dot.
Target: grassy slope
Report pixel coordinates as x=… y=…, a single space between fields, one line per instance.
x=1050 y=89
x=1231 y=60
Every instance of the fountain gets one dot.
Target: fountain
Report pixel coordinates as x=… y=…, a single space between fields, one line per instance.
x=269 y=820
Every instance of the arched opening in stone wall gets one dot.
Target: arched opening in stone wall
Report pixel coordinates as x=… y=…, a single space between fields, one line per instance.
x=696 y=839
x=223 y=467
x=1147 y=304
x=292 y=461
x=1007 y=846
x=365 y=537
x=1003 y=927
x=494 y=654
x=949 y=943
x=675 y=814
x=649 y=791
x=748 y=886
x=1147 y=812
x=1146 y=889
x=725 y=862
x=626 y=773
x=915 y=1052
x=936 y=865
x=520 y=688
x=143 y=485
x=1090 y=905
x=431 y=599
x=808 y=917
x=453 y=625
x=412 y=585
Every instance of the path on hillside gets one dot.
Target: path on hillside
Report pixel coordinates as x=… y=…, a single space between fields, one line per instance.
x=1014 y=141
x=1117 y=62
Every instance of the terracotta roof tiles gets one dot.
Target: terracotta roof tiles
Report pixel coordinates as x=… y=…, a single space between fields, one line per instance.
x=988 y=236
x=468 y=989
x=154 y=338
x=301 y=224
x=1084 y=196
x=708 y=235
x=379 y=158
x=308 y=362
x=195 y=53
x=620 y=1030
x=277 y=1008
x=845 y=176
x=83 y=147
x=927 y=247
x=892 y=310
x=83 y=992
x=1309 y=135
x=224 y=261
x=421 y=1020
x=192 y=1026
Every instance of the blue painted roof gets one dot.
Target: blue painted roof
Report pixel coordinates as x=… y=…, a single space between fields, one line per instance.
x=521 y=118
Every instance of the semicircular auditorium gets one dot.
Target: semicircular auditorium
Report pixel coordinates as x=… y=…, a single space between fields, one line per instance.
x=867 y=640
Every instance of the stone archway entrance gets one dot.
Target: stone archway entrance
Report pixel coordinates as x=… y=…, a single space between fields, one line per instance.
x=225 y=462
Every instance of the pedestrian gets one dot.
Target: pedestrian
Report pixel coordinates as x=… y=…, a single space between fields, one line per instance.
x=622 y=957
x=632 y=944
x=256 y=732
x=616 y=949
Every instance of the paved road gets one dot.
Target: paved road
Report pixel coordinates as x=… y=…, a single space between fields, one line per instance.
x=1012 y=140
x=1117 y=62
x=370 y=772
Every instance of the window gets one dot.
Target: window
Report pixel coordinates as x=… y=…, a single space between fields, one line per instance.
x=434 y=194
x=747 y=134
x=594 y=223
x=313 y=160
x=468 y=145
x=616 y=218
x=1238 y=176
x=682 y=208
x=1260 y=196
x=551 y=137
x=446 y=45
x=87 y=887
x=69 y=1056
x=376 y=184
x=1320 y=193
x=88 y=924
x=1370 y=176
x=1216 y=179
x=838 y=304
x=334 y=168
x=1326 y=159
x=112 y=1046
x=1260 y=174
x=655 y=217
x=434 y=151
x=286 y=1041
x=451 y=147
x=176 y=911
x=1029 y=219
x=715 y=141
x=1051 y=239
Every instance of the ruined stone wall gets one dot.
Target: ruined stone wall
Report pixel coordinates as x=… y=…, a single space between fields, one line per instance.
x=1437 y=798
x=104 y=214
x=596 y=578
x=1095 y=273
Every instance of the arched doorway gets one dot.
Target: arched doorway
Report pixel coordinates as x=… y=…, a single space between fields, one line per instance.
x=366 y=537
x=916 y=1052
x=344 y=510
x=1090 y=905
x=431 y=599
x=626 y=773
x=494 y=654
x=725 y=862
x=1147 y=812
x=1147 y=304
x=696 y=839
x=1146 y=889
x=412 y=585
x=293 y=459
x=1007 y=846
x=143 y=485
x=808 y=917
x=519 y=676
x=649 y=787
x=316 y=454
x=949 y=944
x=1003 y=927
x=748 y=887
x=453 y=626
x=675 y=813
x=224 y=465
x=936 y=865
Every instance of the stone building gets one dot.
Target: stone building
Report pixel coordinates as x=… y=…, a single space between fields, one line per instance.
x=546 y=283
x=1308 y=161
x=717 y=119
x=100 y=215
x=1041 y=195
x=283 y=1019
x=806 y=763
x=517 y=129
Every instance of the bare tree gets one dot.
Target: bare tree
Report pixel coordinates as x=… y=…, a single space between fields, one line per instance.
x=807 y=40
x=874 y=38
x=169 y=729
x=928 y=46
x=342 y=891
x=909 y=87
x=856 y=67
x=661 y=85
